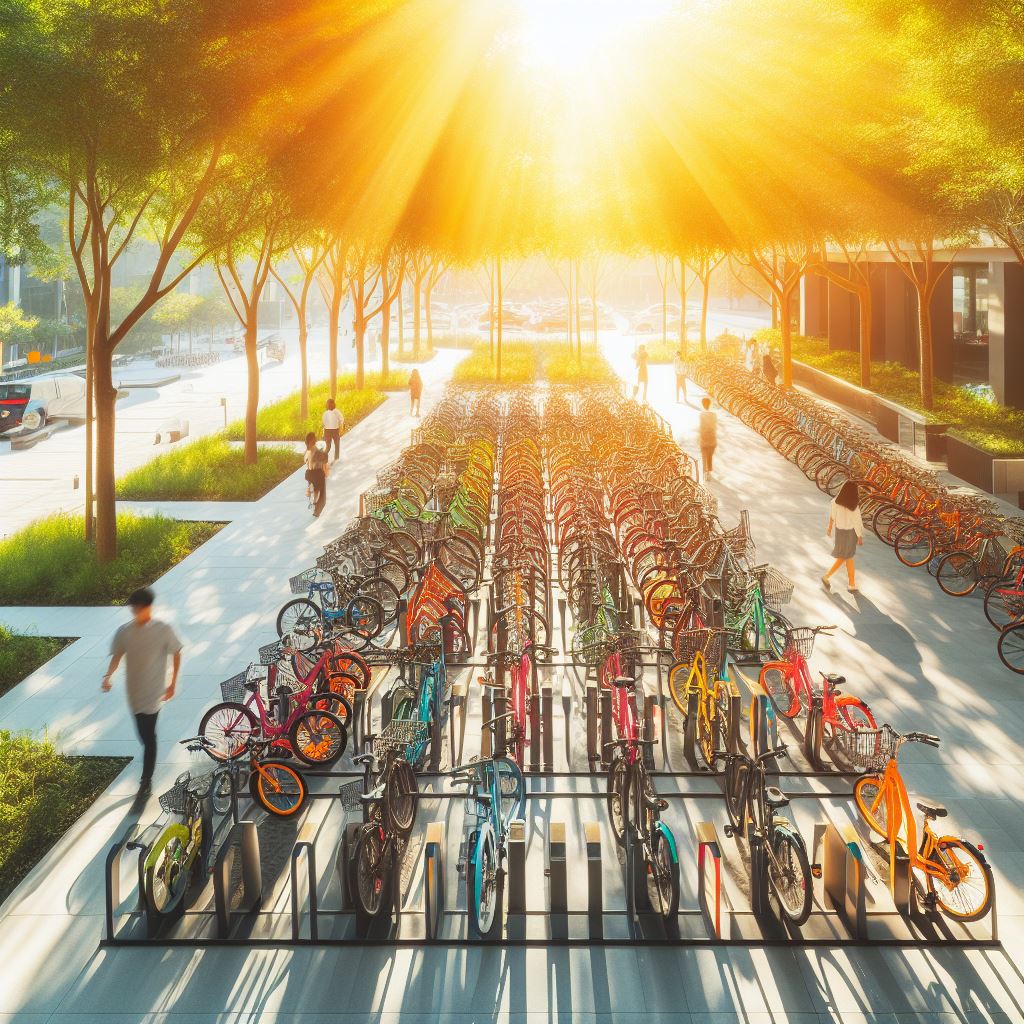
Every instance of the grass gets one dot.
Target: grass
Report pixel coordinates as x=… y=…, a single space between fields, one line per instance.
x=21 y=655
x=209 y=469
x=50 y=563
x=280 y=421
x=997 y=429
x=426 y=354
x=660 y=352
x=523 y=362
x=42 y=794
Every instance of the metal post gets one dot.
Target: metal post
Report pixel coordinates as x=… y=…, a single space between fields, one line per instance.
x=547 y=711
x=593 y=756
x=595 y=894
x=433 y=880
x=606 y=724
x=557 y=880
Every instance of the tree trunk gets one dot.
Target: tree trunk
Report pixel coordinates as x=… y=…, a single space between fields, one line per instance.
x=568 y=311
x=252 y=394
x=333 y=319
x=593 y=310
x=401 y=321
x=924 y=318
x=430 y=320
x=579 y=315
x=105 y=399
x=775 y=311
x=705 y=288
x=786 y=328
x=303 y=368
x=385 y=341
x=500 y=309
x=864 y=295
x=417 y=298
x=664 y=308
x=490 y=317
x=90 y=378
x=359 y=326
x=682 y=307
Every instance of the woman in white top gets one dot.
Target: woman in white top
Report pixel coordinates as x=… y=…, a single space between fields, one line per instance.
x=679 y=363
x=844 y=516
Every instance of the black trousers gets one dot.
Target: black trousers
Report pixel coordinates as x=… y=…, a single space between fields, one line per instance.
x=146 y=727
x=332 y=436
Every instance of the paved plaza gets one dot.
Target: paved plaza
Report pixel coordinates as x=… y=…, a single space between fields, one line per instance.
x=920 y=659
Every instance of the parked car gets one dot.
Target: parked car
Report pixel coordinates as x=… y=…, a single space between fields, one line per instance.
x=26 y=406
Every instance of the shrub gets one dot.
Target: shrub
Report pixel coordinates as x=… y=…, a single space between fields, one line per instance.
x=996 y=428
x=661 y=352
x=21 y=655
x=209 y=469
x=42 y=794
x=518 y=364
x=280 y=421
x=561 y=367
x=49 y=562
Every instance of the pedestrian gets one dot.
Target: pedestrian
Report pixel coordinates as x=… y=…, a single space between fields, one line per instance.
x=679 y=363
x=307 y=460
x=641 y=371
x=319 y=467
x=708 y=436
x=768 y=368
x=145 y=644
x=845 y=517
x=415 y=392
x=333 y=423
x=749 y=354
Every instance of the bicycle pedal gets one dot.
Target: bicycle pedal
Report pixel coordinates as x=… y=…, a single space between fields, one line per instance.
x=816 y=870
x=730 y=832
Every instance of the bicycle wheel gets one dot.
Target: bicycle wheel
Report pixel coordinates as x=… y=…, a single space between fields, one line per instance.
x=855 y=713
x=677 y=685
x=708 y=728
x=777 y=681
x=317 y=738
x=1004 y=602
x=370 y=870
x=301 y=617
x=335 y=704
x=400 y=796
x=364 y=618
x=277 y=787
x=887 y=521
x=220 y=790
x=967 y=895
x=226 y=729
x=617 y=775
x=168 y=867
x=872 y=804
x=957 y=573
x=485 y=883
x=663 y=873
x=914 y=545
x=736 y=775
x=1011 y=647
x=385 y=593
x=790 y=876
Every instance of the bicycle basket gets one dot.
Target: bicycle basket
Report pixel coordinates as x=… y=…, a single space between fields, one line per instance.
x=350 y=794
x=400 y=733
x=801 y=640
x=271 y=653
x=708 y=642
x=865 y=750
x=300 y=583
x=776 y=589
x=233 y=689
x=174 y=800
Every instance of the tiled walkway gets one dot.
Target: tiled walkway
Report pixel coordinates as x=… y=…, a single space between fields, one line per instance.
x=896 y=643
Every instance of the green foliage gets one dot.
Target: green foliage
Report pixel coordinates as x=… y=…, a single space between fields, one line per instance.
x=50 y=563
x=42 y=794
x=523 y=362
x=21 y=655
x=996 y=428
x=209 y=469
x=15 y=327
x=660 y=353
x=280 y=421
x=424 y=357
x=562 y=367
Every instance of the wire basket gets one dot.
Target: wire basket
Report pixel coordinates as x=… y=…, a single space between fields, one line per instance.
x=801 y=640
x=776 y=589
x=233 y=689
x=708 y=642
x=399 y=734
x=176 y=798
x=350 y=794
x=865 y=750
x=739 y=540
x=271 y=653
x=300 y=584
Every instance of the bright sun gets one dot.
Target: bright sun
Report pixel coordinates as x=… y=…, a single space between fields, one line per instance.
x=567 y=33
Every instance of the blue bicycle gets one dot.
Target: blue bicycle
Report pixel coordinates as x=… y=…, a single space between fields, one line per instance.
x=496 y=796
x=424 y=702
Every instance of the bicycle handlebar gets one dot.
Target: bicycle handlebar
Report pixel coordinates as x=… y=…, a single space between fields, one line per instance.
x=922 y=737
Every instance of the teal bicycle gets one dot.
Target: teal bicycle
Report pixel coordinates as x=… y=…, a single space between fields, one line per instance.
x=496 y=796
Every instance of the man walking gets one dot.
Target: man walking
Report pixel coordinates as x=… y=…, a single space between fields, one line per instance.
x=145 y=643
x=708 y=436
x=333 y=421
x=679 y=364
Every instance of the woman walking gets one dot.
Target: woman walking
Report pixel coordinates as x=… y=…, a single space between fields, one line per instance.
x=641 y=371
x=316 y=475
x=844 y=516
x=415 y=392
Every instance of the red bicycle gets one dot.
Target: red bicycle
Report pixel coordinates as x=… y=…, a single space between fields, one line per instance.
x=788 y=683
x=303 y=722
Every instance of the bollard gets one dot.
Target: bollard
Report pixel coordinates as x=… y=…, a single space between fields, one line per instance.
x=593 y=756
x=433 y=880
x=485 y=735
x=304 y=846
x=547 y=714
x=606 y=724
x=535 y=716
x=649 y=732
x=501 y=725
x=244 y=839
x=557 y=880
x=760 y=902
x=595 y=894
x=709 y=876
x=843 y=877
x=814 y=732
x=517 y=866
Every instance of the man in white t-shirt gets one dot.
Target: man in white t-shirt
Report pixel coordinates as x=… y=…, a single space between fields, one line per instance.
x=333 y=423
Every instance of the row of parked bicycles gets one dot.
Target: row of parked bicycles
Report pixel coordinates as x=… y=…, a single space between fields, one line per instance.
x=959 y=536
x=517 y=496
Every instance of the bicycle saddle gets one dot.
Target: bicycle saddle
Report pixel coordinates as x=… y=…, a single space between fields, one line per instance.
x=624 y=681
x=363 y=759
x=932 y=810
x=835 y=680
x=375 y=795
x=775 y=797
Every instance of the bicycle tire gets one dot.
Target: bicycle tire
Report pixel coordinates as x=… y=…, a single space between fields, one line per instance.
x=166 y=878
x=226 y=729
x=618 y=772
x=677 y=680
x=776 y=680
x=957 y=574
x=369 y=872
x=1011 y=647
x=278 y=788
x=873 y=806
x=663 y=874
x=1002 y=608
x=485 y=895
x=965 y=852
x=300 y=616
x=317 y=738
x=914 y=545
x=737 y=774
x=400 y=797
x=790 y=876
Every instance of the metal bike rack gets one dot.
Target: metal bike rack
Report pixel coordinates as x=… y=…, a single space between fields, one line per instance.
x=243 y=840
x=535 y=719
x=547 y=723
x=594 y=755
x=304 y=847
x=710 y=891
x=605 y=704
x=690 y=748
x=814 y=733
x=558 y=899
x=136 y=839
x=433 y=880
x=595 y=891
x=517 y=867
x=845 y=886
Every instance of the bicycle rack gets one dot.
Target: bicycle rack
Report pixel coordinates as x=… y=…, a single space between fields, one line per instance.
x=138 y=839
x=244 y=838
x=558 y=902
x=516 y=925
x=594 y=755
x=547 y=727
x=595 y=893
x=307 y=848
x=710 y=890
x=433 y=880
x=814 y=733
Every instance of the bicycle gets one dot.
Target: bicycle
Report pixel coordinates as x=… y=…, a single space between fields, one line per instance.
x=982 y=563
x=749 y=799
x=704 y=730
x=949 y=873
x=496 y=796
x=358 y=605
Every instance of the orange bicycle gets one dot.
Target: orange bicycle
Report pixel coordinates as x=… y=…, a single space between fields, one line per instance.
x=949 y=873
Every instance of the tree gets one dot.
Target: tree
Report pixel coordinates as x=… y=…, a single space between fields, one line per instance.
x=15 y=327
x=332 y=280
x=392 y=279
x=177 y=312
x=368 y=283
x=434 y=274
x=665 y=268
x=703 y=260
x=308 y=255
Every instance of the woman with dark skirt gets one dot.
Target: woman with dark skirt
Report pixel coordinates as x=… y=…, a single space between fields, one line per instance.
x=845 y=518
